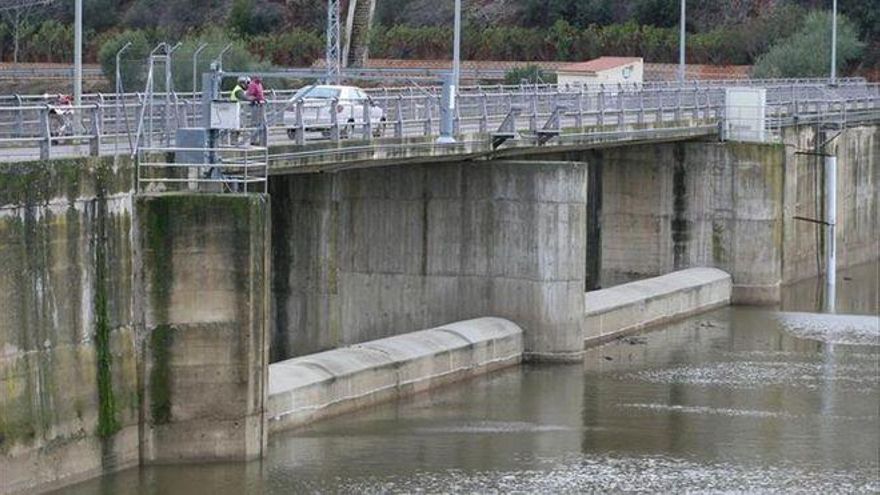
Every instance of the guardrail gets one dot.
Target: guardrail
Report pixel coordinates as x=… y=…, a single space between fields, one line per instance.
x=219 y=169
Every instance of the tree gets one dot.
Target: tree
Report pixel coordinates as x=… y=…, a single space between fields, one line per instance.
x=807 y=53
x=19 y=15
x=133 y=64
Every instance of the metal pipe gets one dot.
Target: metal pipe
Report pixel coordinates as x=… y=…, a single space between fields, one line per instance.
x=830 y=228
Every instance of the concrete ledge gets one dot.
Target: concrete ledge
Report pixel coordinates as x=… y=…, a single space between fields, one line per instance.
x=308 y=388
x=627 y=308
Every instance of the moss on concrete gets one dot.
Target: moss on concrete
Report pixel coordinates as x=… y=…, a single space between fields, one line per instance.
x=38 y=182
x=161 y=339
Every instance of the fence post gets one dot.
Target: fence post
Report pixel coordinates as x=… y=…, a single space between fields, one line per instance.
x=533 y=115
x=246 y=165
x=368 y=124
x=621 y=107
x=300 y=126
x=334 y=121
x=45 y=130
x=659 y=106
x=428 y=117
x=95 y=139
x=19 y=117
x=484 y=113
x=456 y=117
x=678 y=104
x=640 y=118
x=600 y=101
x=398 y=123
x=579 y=111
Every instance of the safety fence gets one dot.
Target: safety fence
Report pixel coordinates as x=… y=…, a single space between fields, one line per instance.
x=218 y=169
x=123 y=124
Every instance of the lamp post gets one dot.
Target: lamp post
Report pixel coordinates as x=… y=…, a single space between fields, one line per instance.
x=834 y=42
x=450 y=85
x=681 y=43
x=77 y=52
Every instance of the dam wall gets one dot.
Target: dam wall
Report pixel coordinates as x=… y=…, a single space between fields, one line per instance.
x=132 y=328
x=669 y=206
x=69 y=404
x=366 y=254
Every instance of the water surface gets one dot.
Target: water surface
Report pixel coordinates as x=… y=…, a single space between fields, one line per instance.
x=733 y=400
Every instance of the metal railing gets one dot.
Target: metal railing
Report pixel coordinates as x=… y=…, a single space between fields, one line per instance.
x=220 y=169
x=110 y=124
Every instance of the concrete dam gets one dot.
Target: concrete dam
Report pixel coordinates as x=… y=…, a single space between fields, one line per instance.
x=143 y=327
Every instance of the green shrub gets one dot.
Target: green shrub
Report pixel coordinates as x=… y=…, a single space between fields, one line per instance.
x=531 y=74
x=133 y=62
x=807 y=53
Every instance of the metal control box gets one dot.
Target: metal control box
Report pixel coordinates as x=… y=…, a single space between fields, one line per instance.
x=225 y=115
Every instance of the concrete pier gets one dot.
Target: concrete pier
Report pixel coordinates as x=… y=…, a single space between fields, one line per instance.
x=366 y=254
x=205 y=313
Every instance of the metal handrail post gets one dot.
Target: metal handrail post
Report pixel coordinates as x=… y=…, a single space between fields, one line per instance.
x=300 y=125
x=119 y=93
x=46 y=142
x=19 y=116
x=484 y=113
x=95 y=141
x=367 y=127
x=398 y=124
x=429 y=124
x=334 y=121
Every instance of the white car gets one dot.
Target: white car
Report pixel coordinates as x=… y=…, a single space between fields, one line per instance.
x=317 y=103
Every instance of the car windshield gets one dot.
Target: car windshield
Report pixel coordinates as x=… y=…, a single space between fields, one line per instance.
x=317 y=92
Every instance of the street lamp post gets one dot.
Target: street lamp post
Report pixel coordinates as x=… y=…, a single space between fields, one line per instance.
x=834 y=42
x=450 y=84
x=77 y=52
x=681 y=43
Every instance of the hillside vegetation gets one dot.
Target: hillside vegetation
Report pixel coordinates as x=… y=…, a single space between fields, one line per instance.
x=783 y=37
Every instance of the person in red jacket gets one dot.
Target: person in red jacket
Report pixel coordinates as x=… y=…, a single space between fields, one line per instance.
x=258 y=119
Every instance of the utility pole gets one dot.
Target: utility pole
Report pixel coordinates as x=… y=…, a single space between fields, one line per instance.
x=681 y=43
x=834 y=42
x=77 y=52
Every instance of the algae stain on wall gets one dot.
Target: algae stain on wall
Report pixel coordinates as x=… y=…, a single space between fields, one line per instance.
x=161 y=340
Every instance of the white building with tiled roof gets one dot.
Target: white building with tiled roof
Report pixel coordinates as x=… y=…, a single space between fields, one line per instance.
x=603 y=70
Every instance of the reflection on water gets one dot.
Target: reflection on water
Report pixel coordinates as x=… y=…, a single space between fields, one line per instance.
x=725 y=401
x=858 y=292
